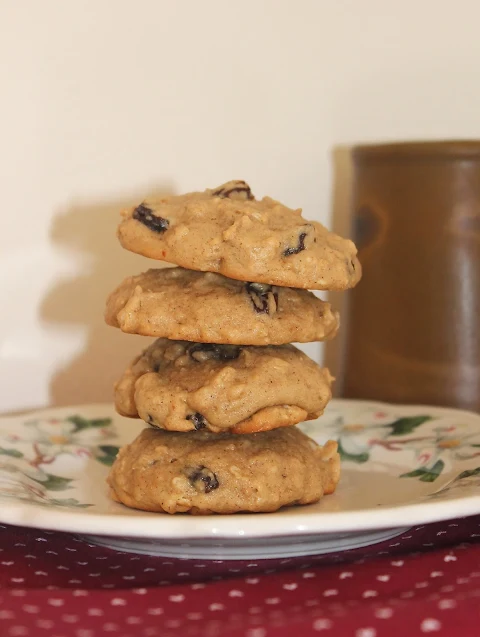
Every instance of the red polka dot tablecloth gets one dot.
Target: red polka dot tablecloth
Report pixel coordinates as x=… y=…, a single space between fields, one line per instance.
x=425 y=582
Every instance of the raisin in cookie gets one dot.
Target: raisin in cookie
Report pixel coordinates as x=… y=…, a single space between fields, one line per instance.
x=202 y=473
x=227 y=230
x=209 y=308
x=181 y=386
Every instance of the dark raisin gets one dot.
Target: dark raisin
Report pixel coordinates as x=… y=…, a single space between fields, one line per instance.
x=259 y=296
x=145 y=215
x=300 y=246
x=198 y=420
x=352 y=263
x=201 y=352
x=203 y=479
x=234 y=190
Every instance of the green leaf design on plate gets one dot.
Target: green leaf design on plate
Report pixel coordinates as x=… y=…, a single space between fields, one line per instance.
x=425 y=474
x=359 y=458
x=68 y=502
x=468 y=473
x=84 y=423
x=407 y=425
x=54 y=483
x=13 y=453
x=108 y=454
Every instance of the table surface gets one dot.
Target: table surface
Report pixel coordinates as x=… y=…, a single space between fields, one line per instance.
x=426 y=581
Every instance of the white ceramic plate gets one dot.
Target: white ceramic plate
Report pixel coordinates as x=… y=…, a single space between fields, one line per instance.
x=402 y=465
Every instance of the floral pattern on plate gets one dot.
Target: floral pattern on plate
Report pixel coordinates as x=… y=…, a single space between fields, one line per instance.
x=29 y=453
x=430 y=444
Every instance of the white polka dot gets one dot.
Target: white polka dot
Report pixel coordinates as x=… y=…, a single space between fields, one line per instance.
x=7 y=563
x=110 y=627
x=235 y=593
x=74 y=581
x=397 y=563
x=145 y=570
x=55 y=602
x=94 y=574
x=80 y=592
x=447 y=604
x=256 y=632
x=41 y=539
x=45 y=623
x=383 y=578
x=322 y=624
x=449 y=558
x=345 y=574
x=290 y=586
x=134 y=620
x=139 y=591
x=18 y=592
x=70 y=619
x=430 y=625
x=365 y=632
x=463 y=580
x=194 y=616
x=176 y=598
x=198 y=586
x=40 y=573
x=272 y=600
x=84 y=632
x=17 y=580
x=128 y=577
x=118 y=601
x=6 y=614
x=308 y=575
x=407 y=595
x=173 y=623
x=183 y=574
x=436 y=574
x=214 y=607
x=367 y=594
x=254 y=610
x=63 y=568
x=447 y=589
x=312 y=602
x=16 y=631
x=30 y=608
x=155 y=611
x=252 y=580
x=383 y=613
x=95 y=612
x=421 y=585
x=330 y=592
x=68 y=548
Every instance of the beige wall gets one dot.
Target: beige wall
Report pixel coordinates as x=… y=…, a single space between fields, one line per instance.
x=102 y=101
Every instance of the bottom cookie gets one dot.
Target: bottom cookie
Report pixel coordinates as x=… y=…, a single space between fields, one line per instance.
x=203 y=473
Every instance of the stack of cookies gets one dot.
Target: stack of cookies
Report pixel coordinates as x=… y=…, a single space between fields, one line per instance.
x=222 y=387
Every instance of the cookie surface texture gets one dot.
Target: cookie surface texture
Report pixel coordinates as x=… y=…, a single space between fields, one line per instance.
x=205 y=307
x=182 y=386
x=227 y=230
x=204 y=473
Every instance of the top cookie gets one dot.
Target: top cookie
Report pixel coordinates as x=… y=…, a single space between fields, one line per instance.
x=226 y=230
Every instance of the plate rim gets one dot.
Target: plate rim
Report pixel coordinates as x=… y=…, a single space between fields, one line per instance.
x=242 y=525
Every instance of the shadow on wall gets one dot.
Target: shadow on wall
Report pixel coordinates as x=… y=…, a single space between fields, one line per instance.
x=89 y=231
x=341 y=224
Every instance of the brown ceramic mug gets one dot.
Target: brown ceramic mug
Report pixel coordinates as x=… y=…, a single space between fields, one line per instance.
x=413 y=321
